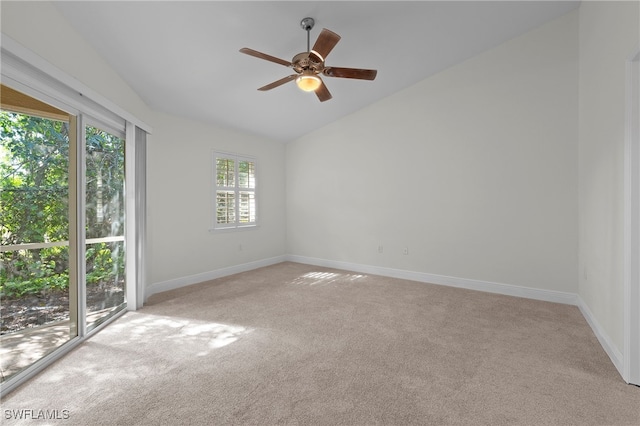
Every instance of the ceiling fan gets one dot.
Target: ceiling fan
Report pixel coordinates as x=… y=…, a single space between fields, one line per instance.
x=310 y=64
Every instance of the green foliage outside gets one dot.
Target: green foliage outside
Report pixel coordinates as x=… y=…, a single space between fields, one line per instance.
x=34 y=204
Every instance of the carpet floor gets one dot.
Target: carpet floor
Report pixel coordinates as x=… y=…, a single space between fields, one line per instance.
x=298 y=344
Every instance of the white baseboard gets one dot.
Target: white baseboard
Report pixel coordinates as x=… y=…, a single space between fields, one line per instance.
x=470 y=284
x=209 y=275
x=614 y=354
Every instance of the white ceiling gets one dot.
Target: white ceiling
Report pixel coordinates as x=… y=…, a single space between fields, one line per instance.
x=182 y=57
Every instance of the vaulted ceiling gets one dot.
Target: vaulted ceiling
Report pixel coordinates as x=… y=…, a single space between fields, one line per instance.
x=183 y=57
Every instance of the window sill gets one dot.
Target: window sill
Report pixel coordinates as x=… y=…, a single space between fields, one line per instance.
x=234 y=229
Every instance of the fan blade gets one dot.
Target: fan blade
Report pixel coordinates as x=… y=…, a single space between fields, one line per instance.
x=264 y=56
x=279 y=82
x=326 y=41
x=356 y=73
x=323 y=93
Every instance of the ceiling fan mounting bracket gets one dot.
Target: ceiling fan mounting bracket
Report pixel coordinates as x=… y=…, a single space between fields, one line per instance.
x=307 y=24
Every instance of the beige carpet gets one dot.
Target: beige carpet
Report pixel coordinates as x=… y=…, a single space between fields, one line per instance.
x=296 y=344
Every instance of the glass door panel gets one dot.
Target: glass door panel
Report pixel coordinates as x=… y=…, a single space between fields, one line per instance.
x=105 y=225
x=35 y=289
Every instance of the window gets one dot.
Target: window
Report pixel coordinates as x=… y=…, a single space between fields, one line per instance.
x=235 y=193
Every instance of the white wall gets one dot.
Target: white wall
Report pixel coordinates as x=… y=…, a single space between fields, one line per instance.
x=179 y=200
x=474 y=170
x=179 y=175
x=609 y=32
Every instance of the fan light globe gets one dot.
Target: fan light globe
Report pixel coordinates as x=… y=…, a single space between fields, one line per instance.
x=308 y=82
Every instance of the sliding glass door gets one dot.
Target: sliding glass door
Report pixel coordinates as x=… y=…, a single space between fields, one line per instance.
x=62 y=228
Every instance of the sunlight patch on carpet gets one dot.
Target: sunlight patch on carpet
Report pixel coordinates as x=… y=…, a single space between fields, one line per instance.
x=324 y=278
x=216 y=335
x=180 y=334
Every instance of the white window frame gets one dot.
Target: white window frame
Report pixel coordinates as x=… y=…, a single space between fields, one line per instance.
x=236 y=225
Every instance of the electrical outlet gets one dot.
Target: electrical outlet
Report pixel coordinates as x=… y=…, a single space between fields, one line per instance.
x=406 y=250
x=380 y=249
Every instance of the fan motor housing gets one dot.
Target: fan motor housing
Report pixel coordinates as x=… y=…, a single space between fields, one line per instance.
x=307 y=61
